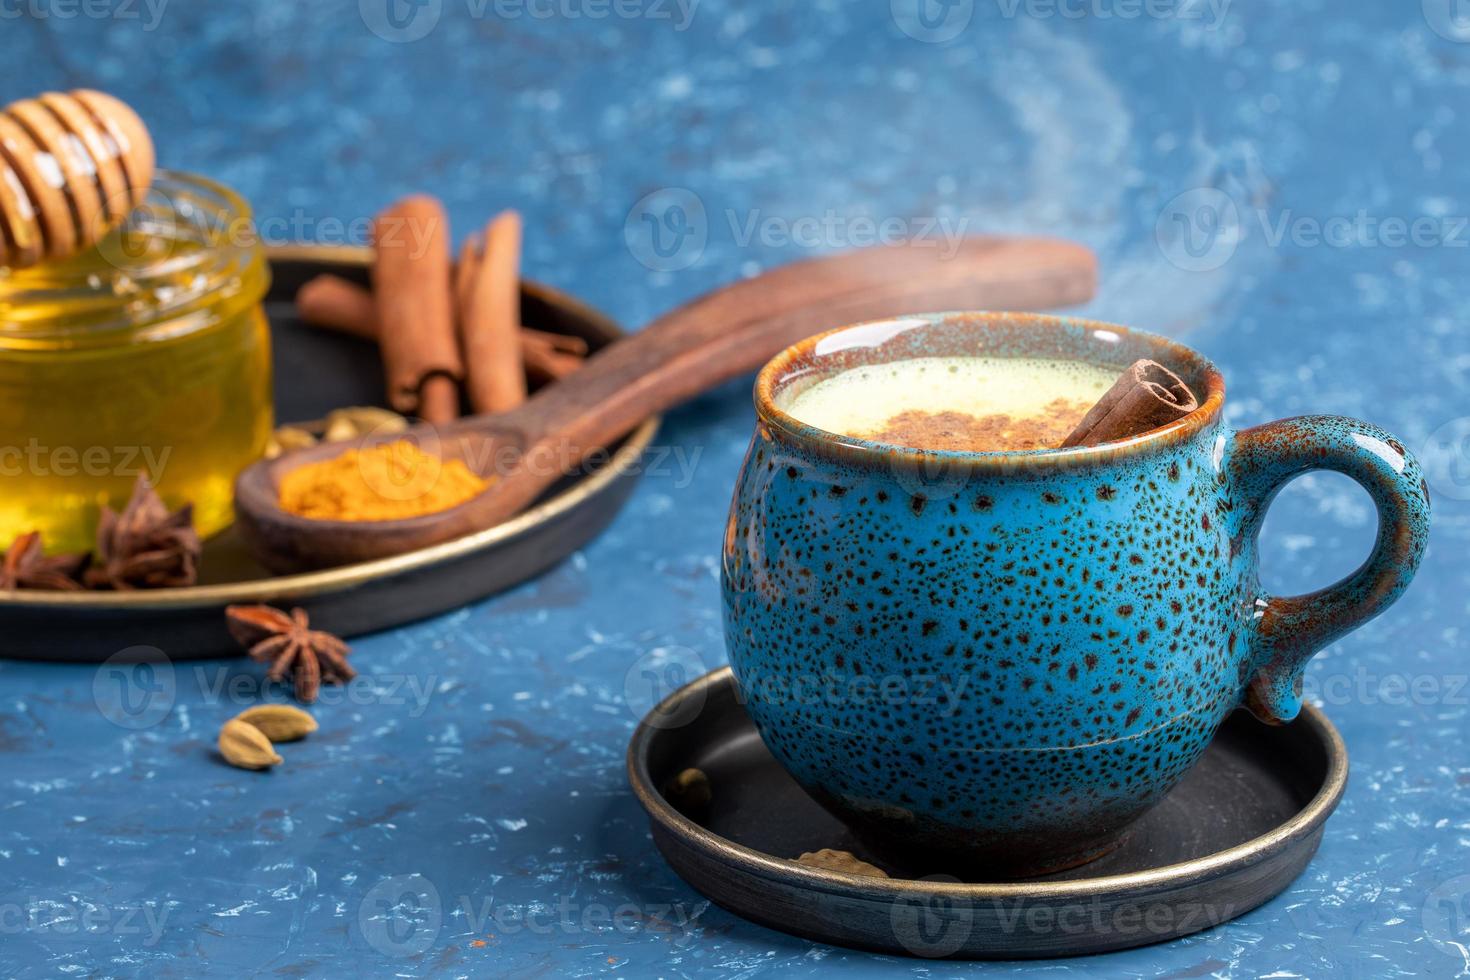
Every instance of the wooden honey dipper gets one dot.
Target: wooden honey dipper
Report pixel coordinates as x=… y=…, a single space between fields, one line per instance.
x=72 y=165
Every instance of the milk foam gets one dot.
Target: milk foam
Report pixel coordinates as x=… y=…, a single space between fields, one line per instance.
x=861 y=401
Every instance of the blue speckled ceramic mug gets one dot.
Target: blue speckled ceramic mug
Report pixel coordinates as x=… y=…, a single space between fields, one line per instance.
x=1000 y=660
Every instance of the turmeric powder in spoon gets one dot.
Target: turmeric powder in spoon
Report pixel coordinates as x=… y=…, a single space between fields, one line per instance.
x=385 y=482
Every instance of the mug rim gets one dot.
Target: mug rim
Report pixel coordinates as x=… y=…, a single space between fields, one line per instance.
x=858 y=450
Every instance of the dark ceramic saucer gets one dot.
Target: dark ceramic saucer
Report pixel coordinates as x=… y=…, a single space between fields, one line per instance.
x=1242 y=824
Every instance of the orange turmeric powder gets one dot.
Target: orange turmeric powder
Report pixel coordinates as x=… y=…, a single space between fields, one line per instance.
x=379 y=483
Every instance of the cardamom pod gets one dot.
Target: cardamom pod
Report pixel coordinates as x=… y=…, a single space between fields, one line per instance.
x=846 y=862
x=689 y=792
x=362 y=420
x=246 y=746
x=341 y=425
x=279 y=722
x=340 y=430
x=287 y=438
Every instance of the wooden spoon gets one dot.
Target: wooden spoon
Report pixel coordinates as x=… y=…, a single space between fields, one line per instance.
x=722 y=335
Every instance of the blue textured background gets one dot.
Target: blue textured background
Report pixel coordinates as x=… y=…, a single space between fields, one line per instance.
x=502 y=786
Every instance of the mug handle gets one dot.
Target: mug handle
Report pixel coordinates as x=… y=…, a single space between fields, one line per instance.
x=1290 y=629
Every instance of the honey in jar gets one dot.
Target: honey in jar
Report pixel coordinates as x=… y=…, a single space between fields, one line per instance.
x=148 y=353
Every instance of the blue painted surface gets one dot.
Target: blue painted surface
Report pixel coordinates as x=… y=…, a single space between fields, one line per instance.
x=503 y=787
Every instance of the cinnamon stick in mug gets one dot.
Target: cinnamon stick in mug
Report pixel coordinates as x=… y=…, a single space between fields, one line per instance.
x=491 y=318
x=1145 y=396
x=414 y=309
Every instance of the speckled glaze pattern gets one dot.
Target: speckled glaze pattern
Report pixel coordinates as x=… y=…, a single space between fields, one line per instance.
x=1004 y=659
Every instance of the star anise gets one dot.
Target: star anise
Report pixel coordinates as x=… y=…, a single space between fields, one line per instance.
x=145 y=547
x=27 y=567
x=310 y=656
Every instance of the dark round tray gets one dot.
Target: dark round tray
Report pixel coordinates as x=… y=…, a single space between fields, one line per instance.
x=189 y=622
x=1235 y=832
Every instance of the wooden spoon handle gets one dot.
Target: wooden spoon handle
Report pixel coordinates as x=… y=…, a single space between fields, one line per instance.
x=737 y=329
x=725 y=334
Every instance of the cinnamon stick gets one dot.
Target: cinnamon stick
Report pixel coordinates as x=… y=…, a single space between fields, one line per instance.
x=544 y=354
x=489 y=322
x=544 y=362
x=1145 y=396
x=464 y=275
x=338 y=304
x=561 y=342
x=414 y=309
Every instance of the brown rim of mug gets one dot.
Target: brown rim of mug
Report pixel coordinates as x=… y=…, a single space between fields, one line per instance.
x=850 y=449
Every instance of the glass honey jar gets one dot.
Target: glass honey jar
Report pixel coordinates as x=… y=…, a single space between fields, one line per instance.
x=149 y=353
